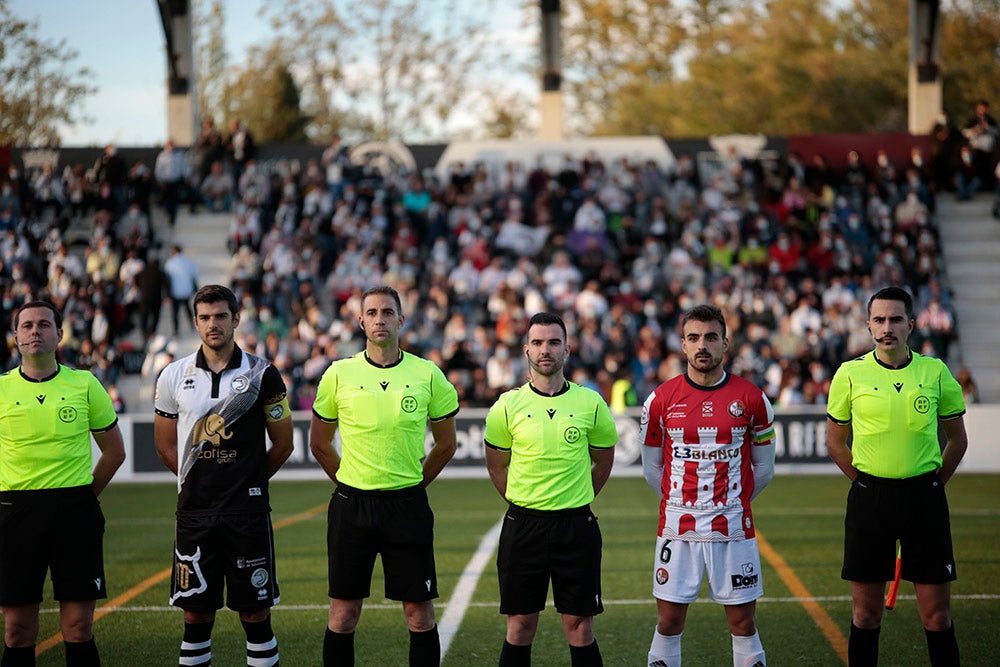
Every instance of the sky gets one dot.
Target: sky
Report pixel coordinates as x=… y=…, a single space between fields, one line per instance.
x=122 y=43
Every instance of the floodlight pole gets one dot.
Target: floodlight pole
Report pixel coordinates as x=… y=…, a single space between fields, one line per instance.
x=182 y=103
x=924 y=87
x=551 y=128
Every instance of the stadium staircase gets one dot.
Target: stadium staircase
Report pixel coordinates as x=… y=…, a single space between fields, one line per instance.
x=970 y=243
x=202 y=236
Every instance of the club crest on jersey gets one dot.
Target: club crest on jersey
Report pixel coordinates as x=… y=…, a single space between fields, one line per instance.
x=922 y=404
x=662 y=575
x=572 y=435
x=644 y=415
x=67 y=414
x=240 y=383
x=259 y=577
x=737 y=409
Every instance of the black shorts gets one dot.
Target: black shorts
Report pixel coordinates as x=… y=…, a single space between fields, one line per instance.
x=235 y=551
x=913 y=511
x=61 y=530
x=536 y=545
x=397 y=524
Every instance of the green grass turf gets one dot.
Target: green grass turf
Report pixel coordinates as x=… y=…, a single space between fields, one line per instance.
x=801 y=517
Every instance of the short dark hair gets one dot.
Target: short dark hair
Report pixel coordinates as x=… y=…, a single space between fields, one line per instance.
x=384 y=290
x=706 y=312
x=893 y=294
x=56 y=315
x=215 y=294
x=546 y=319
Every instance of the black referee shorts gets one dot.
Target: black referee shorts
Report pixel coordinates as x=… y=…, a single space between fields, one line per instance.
x=561 y=545
x=60 y=530
x=913 y=511
x=398 y=525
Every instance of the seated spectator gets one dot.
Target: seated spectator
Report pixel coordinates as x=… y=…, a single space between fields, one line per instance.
x=217 y=189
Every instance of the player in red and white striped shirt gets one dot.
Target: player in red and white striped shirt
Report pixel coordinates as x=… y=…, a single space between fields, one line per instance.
x=708 y=450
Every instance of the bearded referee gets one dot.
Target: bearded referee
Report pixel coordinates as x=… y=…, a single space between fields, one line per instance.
x=549 y=451
x=49 y=515
x=382 y=399
x=894 y=400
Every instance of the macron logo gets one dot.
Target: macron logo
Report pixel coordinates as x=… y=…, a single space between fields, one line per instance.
x=428 y=584
x=97 y=582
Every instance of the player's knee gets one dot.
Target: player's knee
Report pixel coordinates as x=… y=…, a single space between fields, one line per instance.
x=866 y=617
x=78 y=629
x=255 y=616
x=419 y=617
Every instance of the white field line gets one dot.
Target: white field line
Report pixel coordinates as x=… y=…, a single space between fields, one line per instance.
x=495 y=604
x=461 y=598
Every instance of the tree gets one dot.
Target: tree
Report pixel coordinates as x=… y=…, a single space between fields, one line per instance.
x=39 y=90
x=394 y=69
x=267 y=99
x=212 y=73
x=970 y=55
x=700 y=67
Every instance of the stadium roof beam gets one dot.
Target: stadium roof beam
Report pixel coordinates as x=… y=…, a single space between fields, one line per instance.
x=175 y=16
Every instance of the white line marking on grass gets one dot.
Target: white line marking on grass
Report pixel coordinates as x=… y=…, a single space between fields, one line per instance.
x=461 y=598
x=394 y=606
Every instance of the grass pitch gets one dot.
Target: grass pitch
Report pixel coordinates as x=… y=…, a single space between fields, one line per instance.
x=803 y=618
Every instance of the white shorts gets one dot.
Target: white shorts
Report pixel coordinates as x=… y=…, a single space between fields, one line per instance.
x=734 y=575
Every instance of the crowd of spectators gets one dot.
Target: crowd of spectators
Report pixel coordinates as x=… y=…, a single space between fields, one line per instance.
x=790 y=249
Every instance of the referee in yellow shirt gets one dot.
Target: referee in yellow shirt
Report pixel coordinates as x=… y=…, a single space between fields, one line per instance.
x=49 y=515
x=893 y=400
x=549 y=451
x=381 y=399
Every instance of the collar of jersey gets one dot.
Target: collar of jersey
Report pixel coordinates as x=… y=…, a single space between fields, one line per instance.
x=395 y=363
x=721 y=383
x=45 y=379
x=564 y=389
x=234 y=361
x=909 y=358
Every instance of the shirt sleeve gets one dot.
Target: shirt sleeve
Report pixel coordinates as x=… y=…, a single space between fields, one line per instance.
x=604 y=434
x=102 y=411
x=274 y=395
x=838 y=406
x=444 y=397
x=952 y=402
x=497 y=433
x=164 y=402
x=763 y=421
x=650 y=426
x=325 y=405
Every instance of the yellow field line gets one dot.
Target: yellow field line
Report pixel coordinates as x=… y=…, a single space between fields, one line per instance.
x=819 y=616
x=143 y=586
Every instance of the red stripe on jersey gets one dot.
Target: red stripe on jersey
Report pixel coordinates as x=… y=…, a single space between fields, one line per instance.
x=720 y=524
x=685 y=524
x=689 y=490
x=721 y=490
